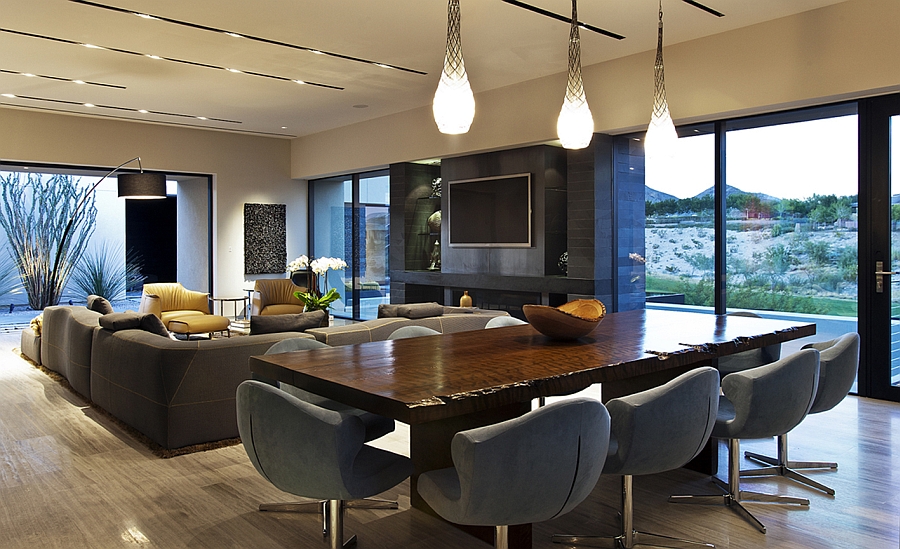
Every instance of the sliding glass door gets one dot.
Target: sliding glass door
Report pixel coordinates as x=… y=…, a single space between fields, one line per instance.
x=349 y=220
x=880 y=258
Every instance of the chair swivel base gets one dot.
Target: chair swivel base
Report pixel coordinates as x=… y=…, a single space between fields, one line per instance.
x=325 y=509
x=638 y=539
x=734 y=503
x=782 y=466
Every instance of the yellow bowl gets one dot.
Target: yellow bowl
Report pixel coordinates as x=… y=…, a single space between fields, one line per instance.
x=566 y=322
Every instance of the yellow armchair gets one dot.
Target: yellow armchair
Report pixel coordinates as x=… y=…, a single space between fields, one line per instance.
x=170 y=301
x=275 y=296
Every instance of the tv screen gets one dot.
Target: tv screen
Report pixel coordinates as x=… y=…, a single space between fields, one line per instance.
x=490 y=212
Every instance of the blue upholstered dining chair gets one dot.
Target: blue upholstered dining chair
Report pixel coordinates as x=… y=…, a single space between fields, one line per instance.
x=767 y=401
x=528 y=469
x=313 y=452
x=500 y=321
x=376 y=426
x=412 y=331
x=651 y=432
x=838 y=364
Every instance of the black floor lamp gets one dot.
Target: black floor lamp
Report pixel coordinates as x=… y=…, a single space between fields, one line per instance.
x=141 y=185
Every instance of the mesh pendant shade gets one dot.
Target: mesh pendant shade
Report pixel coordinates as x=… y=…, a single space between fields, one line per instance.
x=575 y=125
x=142 y=185
x=661 y=140
x=454 y=104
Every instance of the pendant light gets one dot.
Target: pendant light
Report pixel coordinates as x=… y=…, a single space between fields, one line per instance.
x=575 y=125
x=454 y=104
x=661 y=140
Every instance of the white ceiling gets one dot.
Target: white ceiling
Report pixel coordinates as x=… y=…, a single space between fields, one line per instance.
x=502 y=45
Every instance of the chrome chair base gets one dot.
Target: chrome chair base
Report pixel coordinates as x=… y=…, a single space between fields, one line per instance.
x=733 y=495
x=638 y=539
x=324 y=507
x=782 y=466
x=629 y=537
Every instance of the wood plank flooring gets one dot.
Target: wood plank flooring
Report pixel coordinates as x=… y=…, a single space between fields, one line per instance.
x=69 y=478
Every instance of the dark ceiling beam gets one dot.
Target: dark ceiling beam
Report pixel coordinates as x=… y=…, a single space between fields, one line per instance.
x=563 y=18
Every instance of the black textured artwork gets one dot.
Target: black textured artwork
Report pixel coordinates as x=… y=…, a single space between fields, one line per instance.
x=265 y=238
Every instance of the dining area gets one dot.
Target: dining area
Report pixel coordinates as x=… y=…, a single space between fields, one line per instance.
x=485 y=455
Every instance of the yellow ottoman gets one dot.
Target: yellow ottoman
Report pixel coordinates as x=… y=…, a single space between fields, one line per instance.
x=200 y=324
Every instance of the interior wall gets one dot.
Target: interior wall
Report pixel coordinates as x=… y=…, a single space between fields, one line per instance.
x=193 y=234
x=842 y=51
x=245 y=169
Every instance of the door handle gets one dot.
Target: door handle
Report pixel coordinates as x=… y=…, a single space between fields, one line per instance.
x=879 y=274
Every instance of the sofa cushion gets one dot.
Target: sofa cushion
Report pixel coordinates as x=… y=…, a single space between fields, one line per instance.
x=99 y=304
x=282 y=309
x=387 y=310
x=130 y=320
x=151 y=323
x=300 y=322
x=420 y=310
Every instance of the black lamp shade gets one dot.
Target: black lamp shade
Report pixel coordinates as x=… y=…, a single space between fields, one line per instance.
x=142 y=185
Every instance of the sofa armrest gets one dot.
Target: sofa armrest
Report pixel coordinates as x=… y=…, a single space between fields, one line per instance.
x=150 y=304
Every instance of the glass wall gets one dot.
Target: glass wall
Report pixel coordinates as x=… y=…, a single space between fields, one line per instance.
x=792 y=225
x=679 y=231
x=350 y=221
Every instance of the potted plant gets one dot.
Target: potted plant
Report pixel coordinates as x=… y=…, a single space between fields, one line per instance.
x=314 y=298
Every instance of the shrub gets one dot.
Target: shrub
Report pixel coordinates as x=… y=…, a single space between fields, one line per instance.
x=104 y=271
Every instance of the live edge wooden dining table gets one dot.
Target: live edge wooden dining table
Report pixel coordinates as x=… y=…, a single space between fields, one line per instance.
x=440 y=385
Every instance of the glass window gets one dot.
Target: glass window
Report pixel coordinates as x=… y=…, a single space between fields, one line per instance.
x=679 y=233
x=331 y=207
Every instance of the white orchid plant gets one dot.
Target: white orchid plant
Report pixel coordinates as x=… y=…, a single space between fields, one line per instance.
x=313 y=299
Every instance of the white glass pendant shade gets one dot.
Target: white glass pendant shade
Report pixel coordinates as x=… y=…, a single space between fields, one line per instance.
x=575 y=125
x=454 y=104
x=662 y=139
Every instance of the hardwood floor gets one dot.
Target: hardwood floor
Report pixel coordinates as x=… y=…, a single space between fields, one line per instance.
x=69 y=478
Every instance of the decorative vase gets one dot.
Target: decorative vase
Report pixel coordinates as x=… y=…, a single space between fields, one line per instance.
x=300 y=278
x=465 y=300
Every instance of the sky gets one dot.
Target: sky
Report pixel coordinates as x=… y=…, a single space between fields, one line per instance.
x=785 y=161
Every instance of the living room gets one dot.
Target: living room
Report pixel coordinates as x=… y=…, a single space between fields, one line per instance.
x=840 y=51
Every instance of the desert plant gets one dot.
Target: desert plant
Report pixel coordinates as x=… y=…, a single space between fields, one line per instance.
x=104 y=271
x=9 y=276
x=47 y=230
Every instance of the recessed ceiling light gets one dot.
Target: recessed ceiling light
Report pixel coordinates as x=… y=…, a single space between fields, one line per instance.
x=143 y=111
x=299 y=82
x=202 y=118
x=344 y=57
x=284 y=127
x=233 y=70
x=78 y=81
x=360 y=106
x=169 y=59
x=383 y=66
x=11 y=96
x=89 y=105
x=91 y=46
x=28 y=74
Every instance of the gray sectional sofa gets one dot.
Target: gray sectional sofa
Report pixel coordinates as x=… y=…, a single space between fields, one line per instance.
x=175 y=392
x=179 y=392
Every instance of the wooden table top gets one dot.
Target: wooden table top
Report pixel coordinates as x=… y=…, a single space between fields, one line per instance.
x=428 y=378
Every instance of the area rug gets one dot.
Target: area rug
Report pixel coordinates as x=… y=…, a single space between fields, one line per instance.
x=154 y=448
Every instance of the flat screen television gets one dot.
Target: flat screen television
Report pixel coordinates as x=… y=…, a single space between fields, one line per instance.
x=490 y=212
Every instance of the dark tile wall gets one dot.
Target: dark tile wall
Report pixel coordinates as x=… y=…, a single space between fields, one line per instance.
x=630 y=217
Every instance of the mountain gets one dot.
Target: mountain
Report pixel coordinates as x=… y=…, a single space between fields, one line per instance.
x=729 y=190
x=653 y=196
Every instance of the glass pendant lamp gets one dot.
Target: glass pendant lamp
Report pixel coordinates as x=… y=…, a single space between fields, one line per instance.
x=454 y=104
x=575 y=125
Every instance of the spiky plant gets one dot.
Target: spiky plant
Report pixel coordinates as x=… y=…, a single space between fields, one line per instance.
x=47 y=230
x=104 y=271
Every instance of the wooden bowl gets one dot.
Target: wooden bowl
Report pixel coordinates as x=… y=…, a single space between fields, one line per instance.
x=570 y=321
